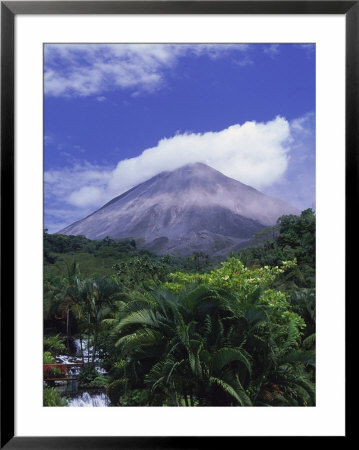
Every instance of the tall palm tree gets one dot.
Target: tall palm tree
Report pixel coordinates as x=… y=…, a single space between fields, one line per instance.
x=98 y=295
x=67 y=286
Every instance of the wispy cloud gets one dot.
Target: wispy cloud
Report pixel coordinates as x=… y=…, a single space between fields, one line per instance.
x=48 y=139
x=92 y=69
x=272 y=49
x=76 y=189
x=297 y=186
x=309 y=49
x=254 y=153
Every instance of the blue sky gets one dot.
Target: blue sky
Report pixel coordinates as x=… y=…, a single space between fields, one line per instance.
x=117 y=114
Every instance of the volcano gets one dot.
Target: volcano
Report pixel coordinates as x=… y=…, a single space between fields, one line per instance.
x=193 y=208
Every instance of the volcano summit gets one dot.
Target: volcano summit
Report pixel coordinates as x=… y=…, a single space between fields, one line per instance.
x=193 y=208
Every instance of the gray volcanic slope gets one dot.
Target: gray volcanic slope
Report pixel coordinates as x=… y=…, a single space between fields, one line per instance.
x=193 y=208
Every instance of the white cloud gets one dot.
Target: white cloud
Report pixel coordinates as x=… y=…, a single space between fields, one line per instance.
x=254 y=153
x=72 y=193
x=272 y=50
x=303 y=125
x=48 y=140
x=91 y=69
x=297 y=186
x=309 y=49
x=86 y=196
x=64 y=185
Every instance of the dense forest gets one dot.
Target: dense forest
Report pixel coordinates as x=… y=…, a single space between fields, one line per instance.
x=186 y=331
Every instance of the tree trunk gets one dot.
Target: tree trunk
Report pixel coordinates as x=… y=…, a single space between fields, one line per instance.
x=68 y=328
x=82 y=349
x=94 y=348
x=185 y=399
x=88 y=341
x=191 y=398
x=95 y=343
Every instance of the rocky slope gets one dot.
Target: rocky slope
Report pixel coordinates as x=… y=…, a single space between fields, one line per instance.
x=193 y=208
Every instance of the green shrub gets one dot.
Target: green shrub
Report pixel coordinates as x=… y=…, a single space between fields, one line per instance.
x=116 y=390
x=54 y=344
x=99 y=382
x=135 y=397
x=56 y=372
x=87 y=375
x=53 y=398
x=48 y=358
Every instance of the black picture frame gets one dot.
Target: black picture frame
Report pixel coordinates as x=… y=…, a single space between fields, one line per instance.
x=9 y=9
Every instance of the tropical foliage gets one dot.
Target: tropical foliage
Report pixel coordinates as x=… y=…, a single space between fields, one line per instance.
x=191 y=331
x=53 y=398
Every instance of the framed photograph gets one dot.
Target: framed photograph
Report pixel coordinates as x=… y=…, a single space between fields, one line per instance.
x=175 y=182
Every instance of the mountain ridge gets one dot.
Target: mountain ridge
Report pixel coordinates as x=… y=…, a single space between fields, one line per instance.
x=191 y=208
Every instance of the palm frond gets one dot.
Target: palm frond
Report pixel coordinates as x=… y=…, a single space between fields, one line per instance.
x=298 y=356
x=238 y=394
x=193 y=348
x=201 y=294
x=145 y=342
x=226 y=355
x=309 y=388
x=309 y=341
x=145 y=317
